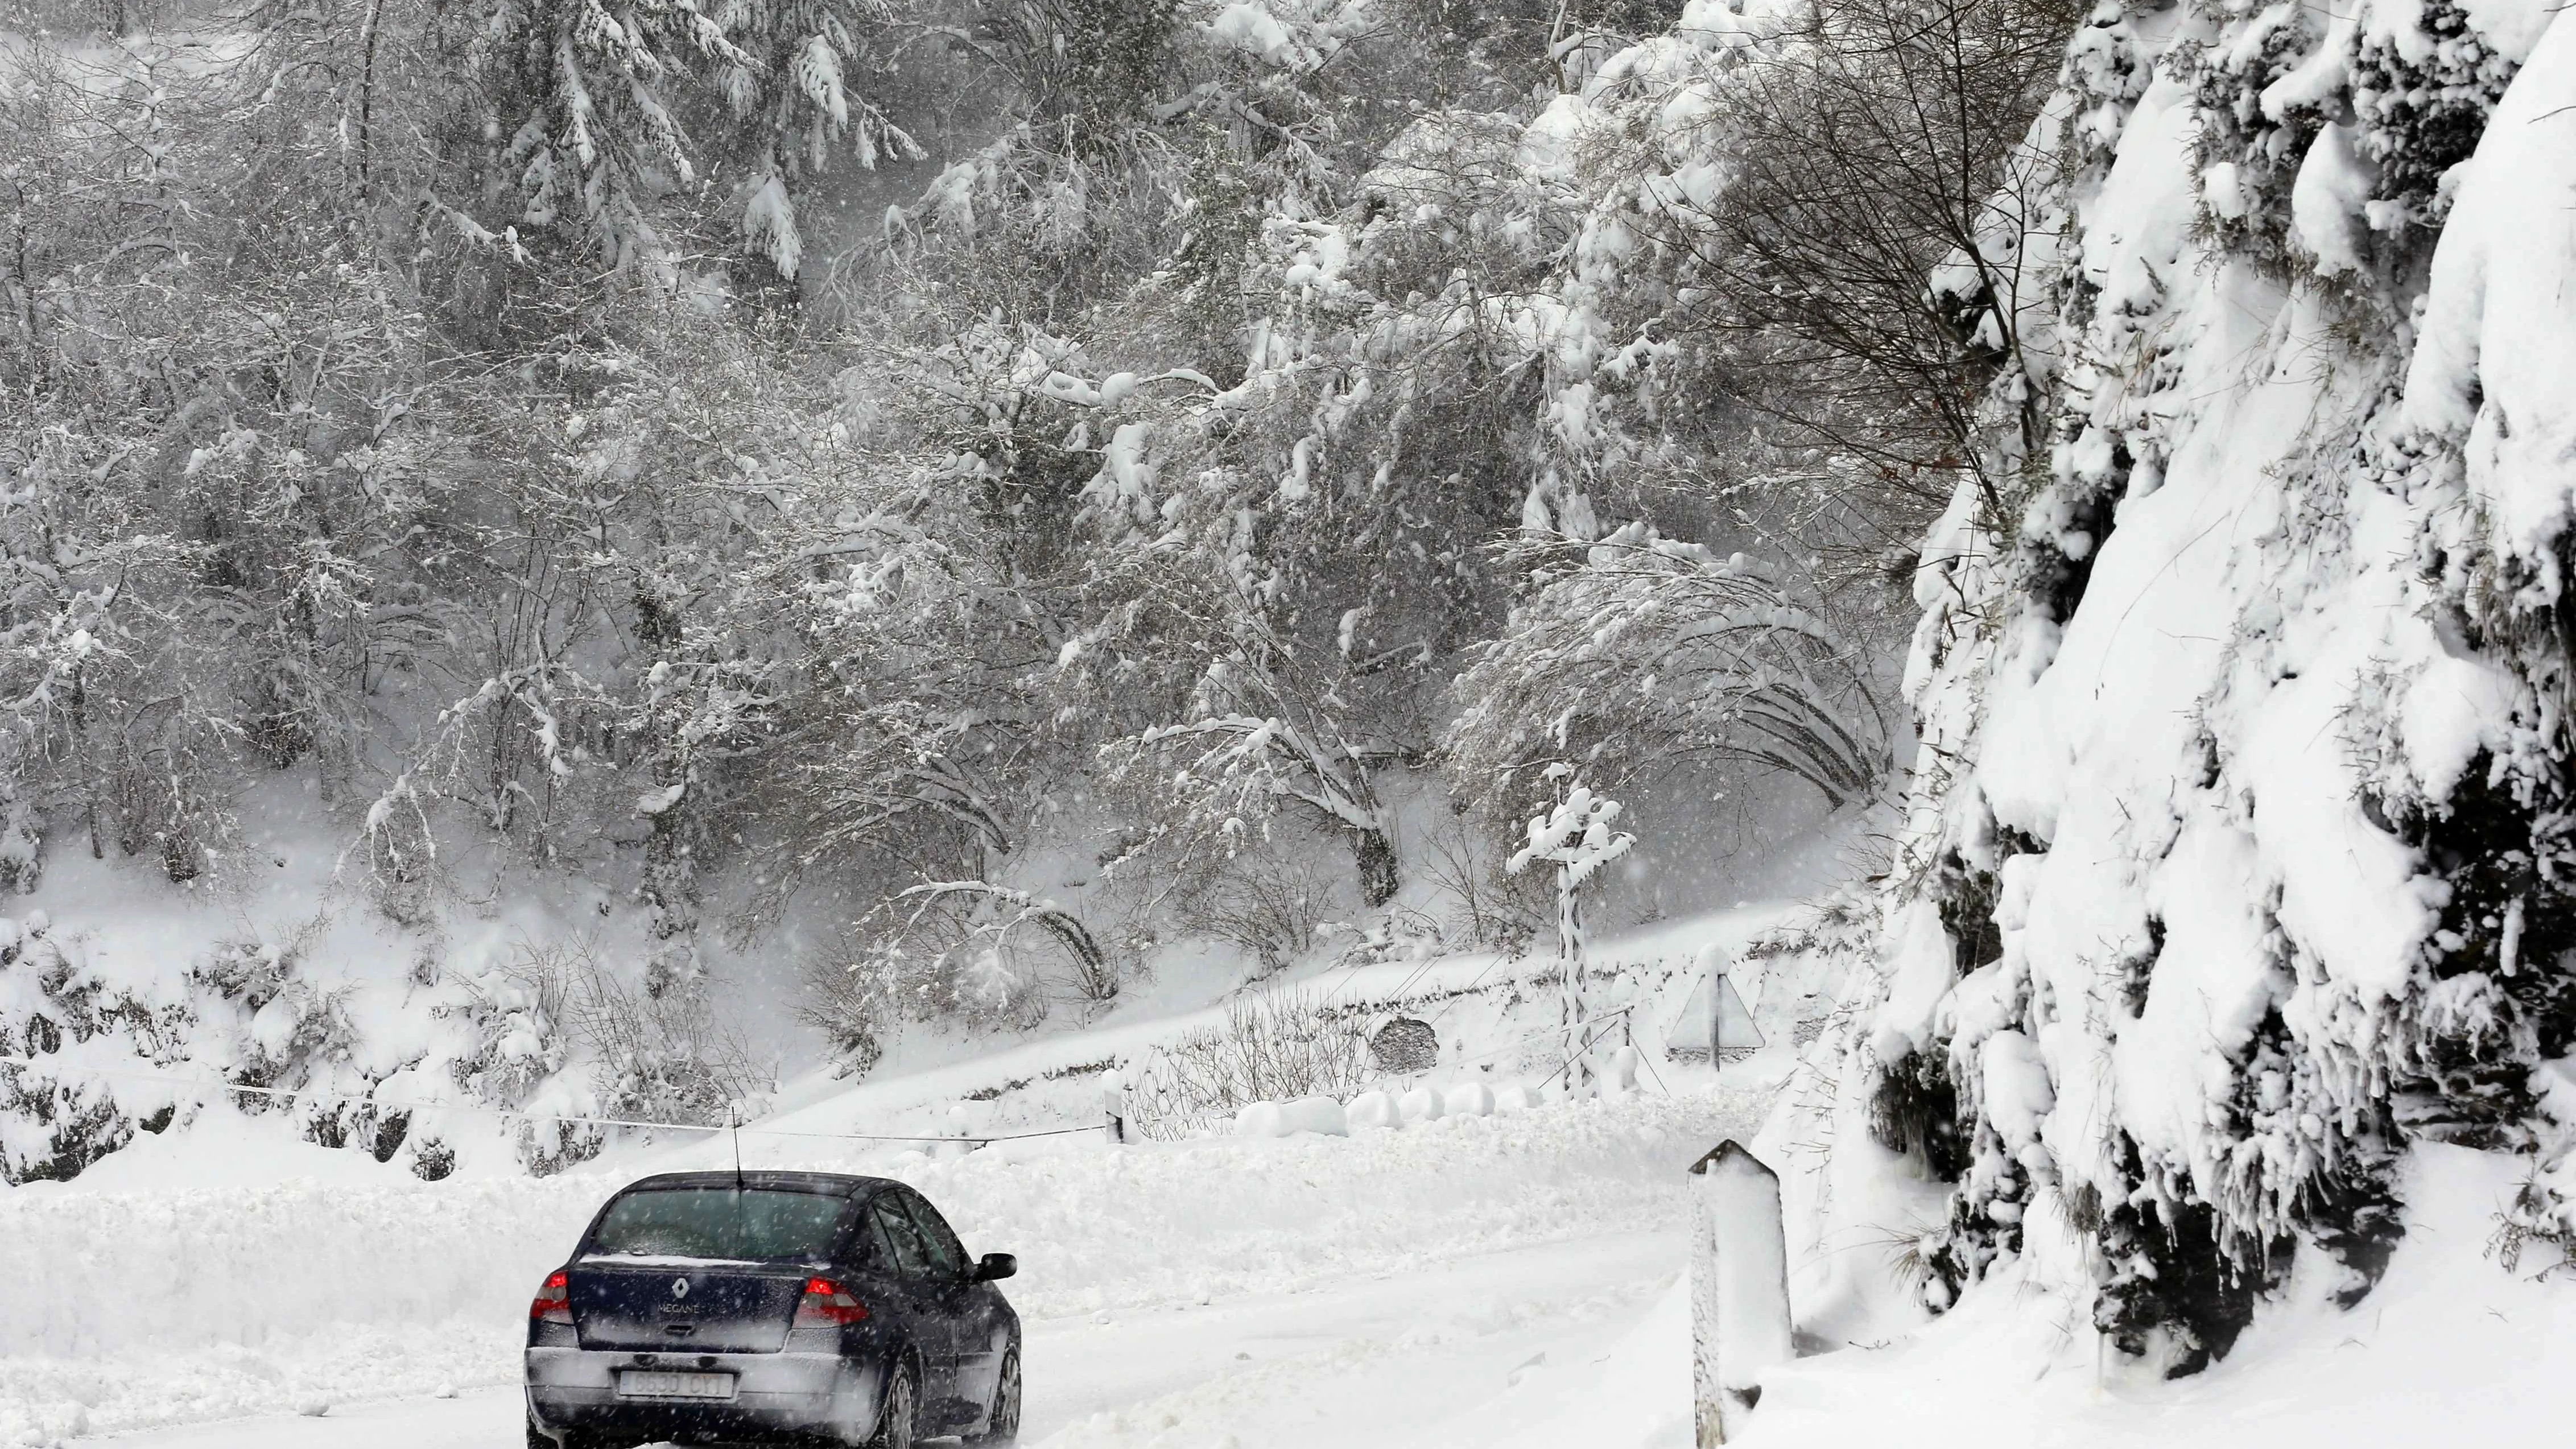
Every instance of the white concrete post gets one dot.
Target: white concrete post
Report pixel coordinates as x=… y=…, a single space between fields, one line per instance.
x=1113 y=1101
x=1739 y=1288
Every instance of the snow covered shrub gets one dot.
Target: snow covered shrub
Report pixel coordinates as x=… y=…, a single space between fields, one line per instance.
x=2543 y=1211
x=563 y=1032
x=1849 y=191
x=517 y=1014
x=2325 y=145
x=999 y=954
x=658 y=1055
x=51 y=1129
x=1400 y=935
x=2175 y=1292
x=509 y=748
x=1225 y=774
x=853 y=1009
x=400 y=849
x=1274 y=1046
x=1915 y=1110
x=1273 y=906
x=432 y=1160
x=1488 y=906
x=2464 y=1047
x=275 y=1027
x=985 y=956
x=2424 y=81
x=60 y=1016
x=2258 y=121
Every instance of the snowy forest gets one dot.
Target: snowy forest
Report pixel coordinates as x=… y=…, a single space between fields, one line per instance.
x=515 y=509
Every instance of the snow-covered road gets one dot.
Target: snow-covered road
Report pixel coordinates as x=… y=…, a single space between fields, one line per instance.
x=1388 y=1275
x=1453 y=1352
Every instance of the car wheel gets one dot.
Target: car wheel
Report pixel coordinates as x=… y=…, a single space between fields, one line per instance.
x=1002 y=1418
x=902 y=1411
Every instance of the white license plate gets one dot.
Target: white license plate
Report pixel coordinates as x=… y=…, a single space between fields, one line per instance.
x=656 y=1384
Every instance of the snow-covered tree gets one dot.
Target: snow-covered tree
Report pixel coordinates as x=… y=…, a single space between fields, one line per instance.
x=2233 y=862
x=1636 y=657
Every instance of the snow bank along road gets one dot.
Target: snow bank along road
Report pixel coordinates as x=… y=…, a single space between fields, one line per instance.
x=1388 y=1287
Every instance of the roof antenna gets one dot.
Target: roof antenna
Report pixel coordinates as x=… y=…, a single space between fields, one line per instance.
x=733 y=1122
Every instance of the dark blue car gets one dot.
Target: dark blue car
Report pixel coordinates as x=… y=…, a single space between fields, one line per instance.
x=771 y=1307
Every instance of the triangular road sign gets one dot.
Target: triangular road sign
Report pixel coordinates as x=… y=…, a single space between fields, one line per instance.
x=1733 y=1029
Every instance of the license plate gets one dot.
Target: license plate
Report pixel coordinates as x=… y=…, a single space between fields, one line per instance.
x=657 y=1384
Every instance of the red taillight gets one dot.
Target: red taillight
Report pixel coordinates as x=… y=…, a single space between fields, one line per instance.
x=554 y=1301
x=827 y=1304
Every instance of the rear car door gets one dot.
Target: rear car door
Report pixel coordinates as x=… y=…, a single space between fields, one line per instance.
x=914 y=1282
x=978 y=1319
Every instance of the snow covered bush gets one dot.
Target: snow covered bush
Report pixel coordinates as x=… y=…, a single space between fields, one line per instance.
x=967 y=951
x=58 y=1016
x=1274 y=1046
x=1274 y=909
x=656 y=1051
x=561 y=1031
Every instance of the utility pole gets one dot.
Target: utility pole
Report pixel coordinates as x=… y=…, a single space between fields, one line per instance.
x=1576 y=838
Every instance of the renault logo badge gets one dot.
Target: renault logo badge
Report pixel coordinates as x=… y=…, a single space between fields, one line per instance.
x=679 y=1287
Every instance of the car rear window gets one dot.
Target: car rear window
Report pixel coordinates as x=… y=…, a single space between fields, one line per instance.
x=747 y=1224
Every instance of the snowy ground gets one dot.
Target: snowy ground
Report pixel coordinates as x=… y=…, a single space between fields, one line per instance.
x=1430 y=1262
x=1583 y=1342
x=1500 y=1281
x=2450 y=1348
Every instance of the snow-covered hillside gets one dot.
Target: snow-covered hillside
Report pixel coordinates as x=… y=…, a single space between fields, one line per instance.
x=2237 y=880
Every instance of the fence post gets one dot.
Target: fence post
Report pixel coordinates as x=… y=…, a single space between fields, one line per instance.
x=1739 y=1288
x=1113 y=1100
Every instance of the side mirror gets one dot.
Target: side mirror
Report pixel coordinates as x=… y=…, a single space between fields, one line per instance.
x=995 y=1265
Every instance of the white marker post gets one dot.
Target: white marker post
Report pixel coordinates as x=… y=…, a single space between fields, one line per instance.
x=1739 y=1288
x=1113 y=1102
